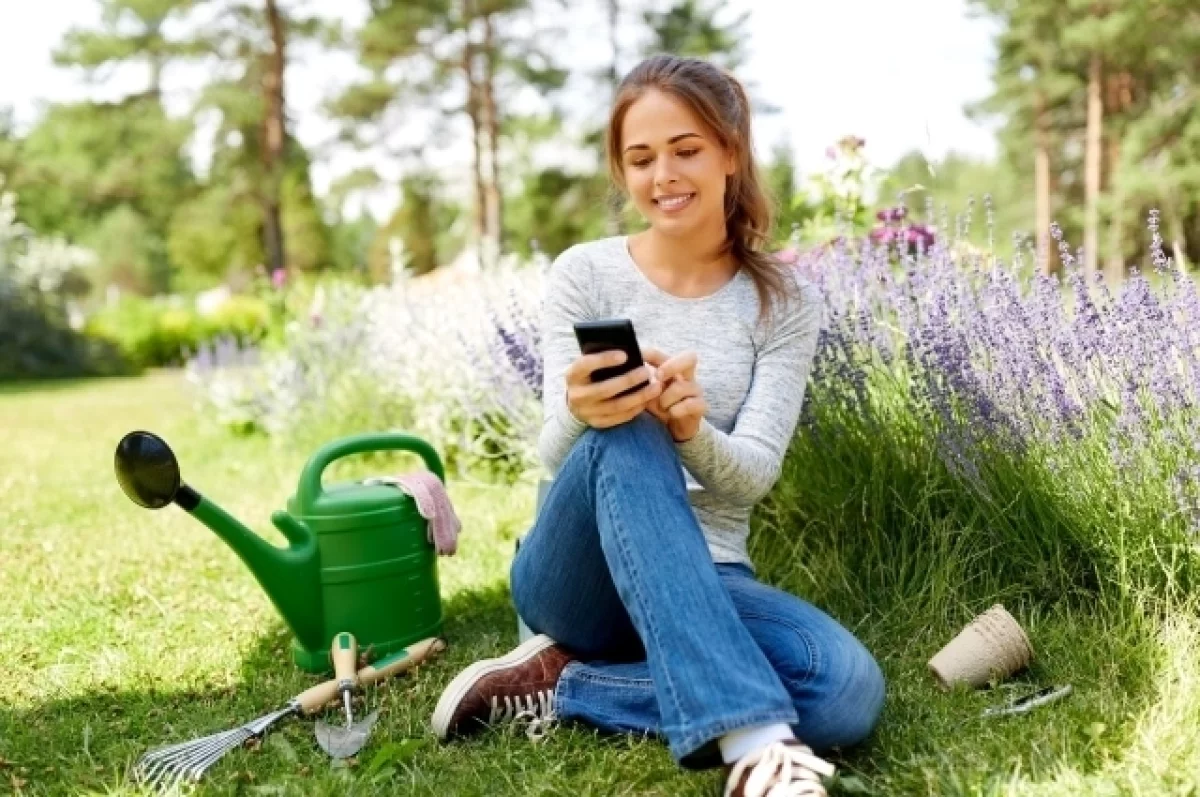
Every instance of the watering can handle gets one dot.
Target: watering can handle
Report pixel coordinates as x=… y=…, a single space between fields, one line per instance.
x=310 y=477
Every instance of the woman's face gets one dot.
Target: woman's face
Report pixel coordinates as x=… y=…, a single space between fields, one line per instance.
x=674 y=170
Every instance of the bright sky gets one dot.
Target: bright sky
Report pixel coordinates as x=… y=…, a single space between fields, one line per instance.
x=872 y=68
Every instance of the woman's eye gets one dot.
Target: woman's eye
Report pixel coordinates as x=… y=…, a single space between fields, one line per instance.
x=687 y=153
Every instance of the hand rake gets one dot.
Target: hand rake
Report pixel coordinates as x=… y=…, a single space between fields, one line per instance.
x=168 y=767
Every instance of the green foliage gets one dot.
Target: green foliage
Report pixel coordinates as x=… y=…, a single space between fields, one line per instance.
x=557 y=209
x=96 y=171
x=131 y=592
x=424 y=223
x=953 y=183
x=779 y=175
x=129 y=251
x=308 y=236
x=689 y=27
x=153 y=332
x=835 y=201
x=212 y=235
x=349 y=242
x=38 y=279
x=131 y=30
x=1047 y=53
x=40 y=344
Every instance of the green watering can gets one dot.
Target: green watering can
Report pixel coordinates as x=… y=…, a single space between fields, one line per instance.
x=358 y=557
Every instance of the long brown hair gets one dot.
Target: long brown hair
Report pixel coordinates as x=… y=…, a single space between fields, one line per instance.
x=719 y=101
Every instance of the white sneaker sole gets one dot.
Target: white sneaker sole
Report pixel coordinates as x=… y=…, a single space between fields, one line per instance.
x=457 y=689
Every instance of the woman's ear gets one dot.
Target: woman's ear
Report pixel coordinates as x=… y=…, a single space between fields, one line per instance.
x=730 y=163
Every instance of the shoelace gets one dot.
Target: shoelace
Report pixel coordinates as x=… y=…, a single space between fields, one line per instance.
x=785 y=771
x=537 y=708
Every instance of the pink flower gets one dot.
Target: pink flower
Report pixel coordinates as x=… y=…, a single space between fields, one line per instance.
x=278 y=277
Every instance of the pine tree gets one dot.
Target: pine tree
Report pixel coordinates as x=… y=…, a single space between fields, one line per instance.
x=469 y=49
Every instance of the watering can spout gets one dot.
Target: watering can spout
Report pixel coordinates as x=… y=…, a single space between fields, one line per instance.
x=290 y=576
x=149 y=474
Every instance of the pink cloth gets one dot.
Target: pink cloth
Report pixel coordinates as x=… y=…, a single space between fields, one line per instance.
x=433 y=502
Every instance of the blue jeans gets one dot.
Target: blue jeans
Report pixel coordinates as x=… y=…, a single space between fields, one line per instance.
x=616 y=570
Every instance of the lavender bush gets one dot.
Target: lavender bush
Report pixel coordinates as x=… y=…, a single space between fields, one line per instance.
x=452 y=358
x=963 y=404
x=1004 y=433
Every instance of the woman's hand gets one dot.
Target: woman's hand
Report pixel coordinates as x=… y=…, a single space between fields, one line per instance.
x=681 y=406
x=595 y=403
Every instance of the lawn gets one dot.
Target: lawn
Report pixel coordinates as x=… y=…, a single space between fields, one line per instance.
x=123 y=629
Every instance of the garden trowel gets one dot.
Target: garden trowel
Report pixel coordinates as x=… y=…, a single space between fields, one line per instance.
x=344 y=740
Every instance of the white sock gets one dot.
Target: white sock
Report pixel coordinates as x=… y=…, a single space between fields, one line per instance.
x=735 y=745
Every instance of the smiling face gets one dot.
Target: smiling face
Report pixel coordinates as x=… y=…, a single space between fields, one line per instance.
x=674 y=169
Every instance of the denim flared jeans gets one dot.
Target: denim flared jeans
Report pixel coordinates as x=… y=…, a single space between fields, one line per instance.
x=671 y=644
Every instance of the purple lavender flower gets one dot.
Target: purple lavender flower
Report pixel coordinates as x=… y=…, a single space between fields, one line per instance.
x=526 y=360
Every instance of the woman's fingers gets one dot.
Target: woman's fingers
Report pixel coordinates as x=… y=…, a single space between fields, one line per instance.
x=634 y=402
x=655 y=409
x=580 y=371
x=602 y=391
x=676 y=391
x=595 y=403
x=689 y=407
x=653 y=356
x=682 y=365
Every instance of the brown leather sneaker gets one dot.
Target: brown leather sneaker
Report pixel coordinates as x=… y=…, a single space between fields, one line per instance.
x=788 y=768
x=491 y=691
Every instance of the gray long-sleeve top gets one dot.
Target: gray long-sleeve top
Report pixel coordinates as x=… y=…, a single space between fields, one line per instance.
x=753 y=375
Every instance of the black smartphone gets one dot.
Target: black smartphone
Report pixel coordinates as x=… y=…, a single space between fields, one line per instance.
x=607 y=334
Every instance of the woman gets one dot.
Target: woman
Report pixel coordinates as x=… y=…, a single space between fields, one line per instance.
x=635 y=574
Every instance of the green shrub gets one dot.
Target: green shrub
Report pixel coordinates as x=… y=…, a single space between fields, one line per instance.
x=155 y=333
x=243 y=317
x=40 y=344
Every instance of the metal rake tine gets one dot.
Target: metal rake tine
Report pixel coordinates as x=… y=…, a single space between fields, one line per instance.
x=196 y=769
x=206 y=743
x=194 y=765
x=159 y=752
x=174 y=750
x=156 y=779
x=154 y=770
x=163 y=764
x=185 y=758
x=170 y=775
x=158 y=773
x=170 y=782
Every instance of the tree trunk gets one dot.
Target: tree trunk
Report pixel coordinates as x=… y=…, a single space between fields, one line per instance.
x=1041 y=179
x=274 y=137
x=1119 y=100
x=1114 y=268
x=473 y=111
x=614 y=225
x=1095 y=113
x=494 y=204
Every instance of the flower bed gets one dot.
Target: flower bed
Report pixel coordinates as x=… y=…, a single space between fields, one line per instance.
x=941 y=350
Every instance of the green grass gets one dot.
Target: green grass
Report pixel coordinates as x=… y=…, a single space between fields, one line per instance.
x=123 y=629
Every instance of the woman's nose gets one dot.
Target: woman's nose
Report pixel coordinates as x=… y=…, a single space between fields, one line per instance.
x=663 y=174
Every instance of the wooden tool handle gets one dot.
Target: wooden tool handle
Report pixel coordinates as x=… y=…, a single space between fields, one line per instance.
x=313 y=698
x=345 y=658
x=401 y=660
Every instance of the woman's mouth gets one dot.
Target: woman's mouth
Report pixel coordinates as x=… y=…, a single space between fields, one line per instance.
x=675 y=202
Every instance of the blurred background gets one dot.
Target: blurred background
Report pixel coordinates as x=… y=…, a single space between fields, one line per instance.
x=187 y=157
